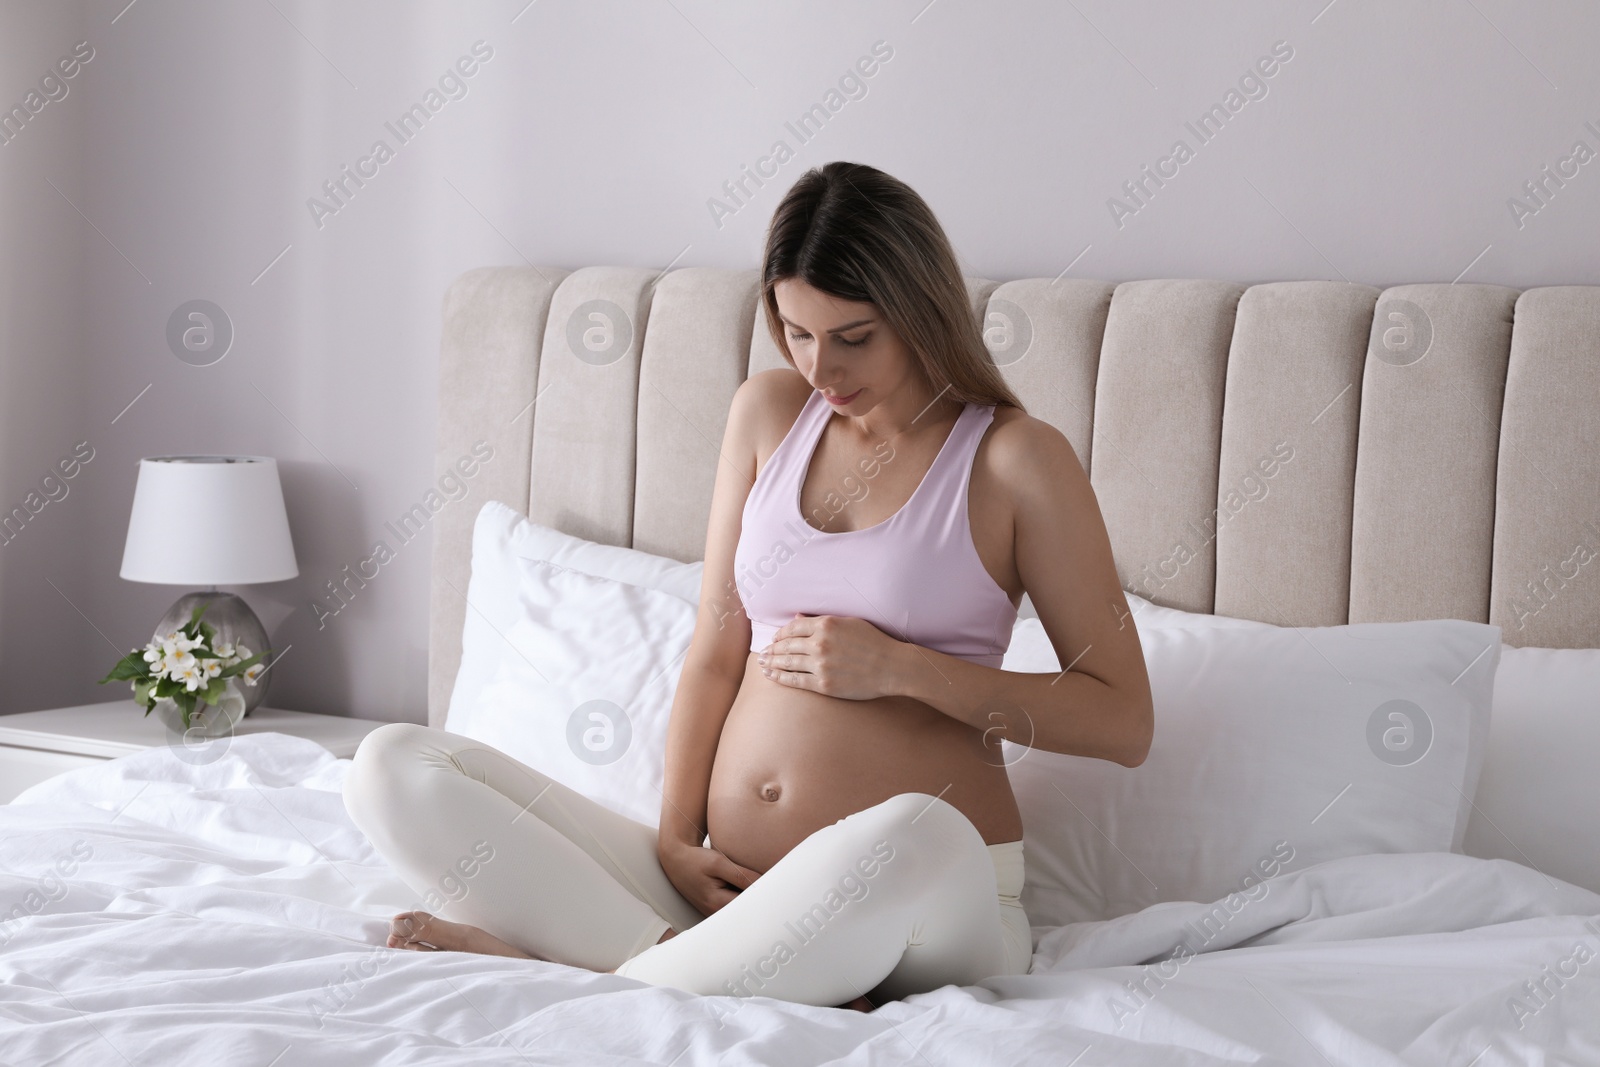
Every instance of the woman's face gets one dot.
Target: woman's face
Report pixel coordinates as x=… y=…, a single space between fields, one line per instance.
x=845 y=349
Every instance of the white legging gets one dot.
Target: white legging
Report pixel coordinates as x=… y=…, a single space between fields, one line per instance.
x=899 y=898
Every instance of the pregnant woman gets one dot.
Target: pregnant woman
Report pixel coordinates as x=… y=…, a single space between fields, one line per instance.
x=837 y=827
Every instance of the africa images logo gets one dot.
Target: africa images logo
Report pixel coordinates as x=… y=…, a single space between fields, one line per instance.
x=342 y=187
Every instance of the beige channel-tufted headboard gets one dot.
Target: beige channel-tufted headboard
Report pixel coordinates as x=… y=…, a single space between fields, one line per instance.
x=1443 y=440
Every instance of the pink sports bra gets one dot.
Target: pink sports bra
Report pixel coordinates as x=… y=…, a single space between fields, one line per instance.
x=916 y=575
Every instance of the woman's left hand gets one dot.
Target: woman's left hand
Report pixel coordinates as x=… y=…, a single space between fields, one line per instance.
x=836 y=655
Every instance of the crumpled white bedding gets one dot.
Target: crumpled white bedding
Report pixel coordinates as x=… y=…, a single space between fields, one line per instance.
x=157 y=911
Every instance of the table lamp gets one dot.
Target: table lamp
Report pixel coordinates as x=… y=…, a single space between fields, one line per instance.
x=211 y=520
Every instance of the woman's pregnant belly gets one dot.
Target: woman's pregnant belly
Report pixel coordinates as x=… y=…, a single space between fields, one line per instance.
x=790 y=762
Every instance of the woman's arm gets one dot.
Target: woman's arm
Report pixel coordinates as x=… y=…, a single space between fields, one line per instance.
x=1100 y=704
x=713 y=668
x=698 y=711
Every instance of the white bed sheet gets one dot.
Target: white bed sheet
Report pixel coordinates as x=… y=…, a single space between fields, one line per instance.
x=230 y=913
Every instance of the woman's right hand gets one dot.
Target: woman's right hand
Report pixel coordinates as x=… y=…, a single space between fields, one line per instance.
x=706 y=878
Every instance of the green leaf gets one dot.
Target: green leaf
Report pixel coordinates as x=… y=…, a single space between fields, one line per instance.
x=194 y=629
x=130 y=666
x=213 y=691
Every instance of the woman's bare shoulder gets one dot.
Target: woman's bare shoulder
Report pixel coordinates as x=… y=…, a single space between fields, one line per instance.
x=1024 y=453
x=767 y=403
x=777 y=385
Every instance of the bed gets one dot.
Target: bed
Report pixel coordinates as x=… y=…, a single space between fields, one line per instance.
x=228 y=911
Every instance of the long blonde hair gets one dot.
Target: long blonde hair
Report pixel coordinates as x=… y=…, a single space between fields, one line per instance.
x=858 y=234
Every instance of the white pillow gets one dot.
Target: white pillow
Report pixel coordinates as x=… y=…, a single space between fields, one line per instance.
x=1273 y=747
x=570 y=672
x=509 y=531
x=1147 y=614
x=1537 y=799
x=1537 y=793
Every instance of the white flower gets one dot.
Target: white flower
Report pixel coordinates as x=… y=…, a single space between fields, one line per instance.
x=251 y=673
x=242 y=651
x=224 y=649
x=211 y=668
x=153 y=651
x=177 y=664
x=190 y=675
x=175 y=642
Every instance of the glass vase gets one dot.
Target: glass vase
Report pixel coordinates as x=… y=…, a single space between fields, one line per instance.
x=206 y=720
x=235 y=624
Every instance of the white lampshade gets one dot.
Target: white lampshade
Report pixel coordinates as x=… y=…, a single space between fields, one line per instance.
x=208 y=520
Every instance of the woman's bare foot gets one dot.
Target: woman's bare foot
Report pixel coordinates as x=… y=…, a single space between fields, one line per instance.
x=428 y=933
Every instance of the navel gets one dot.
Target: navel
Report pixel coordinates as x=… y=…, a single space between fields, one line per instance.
x=771 y=791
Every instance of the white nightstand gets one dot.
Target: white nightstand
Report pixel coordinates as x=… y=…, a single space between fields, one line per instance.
x=35 y=745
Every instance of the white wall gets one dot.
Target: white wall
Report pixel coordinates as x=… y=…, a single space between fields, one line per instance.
x=1384 y=151
x=46 y=647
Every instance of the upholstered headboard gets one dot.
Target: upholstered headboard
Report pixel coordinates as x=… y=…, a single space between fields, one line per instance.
x=1304 y=453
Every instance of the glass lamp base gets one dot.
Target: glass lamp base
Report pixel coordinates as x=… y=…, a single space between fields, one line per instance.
x=235 y=624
